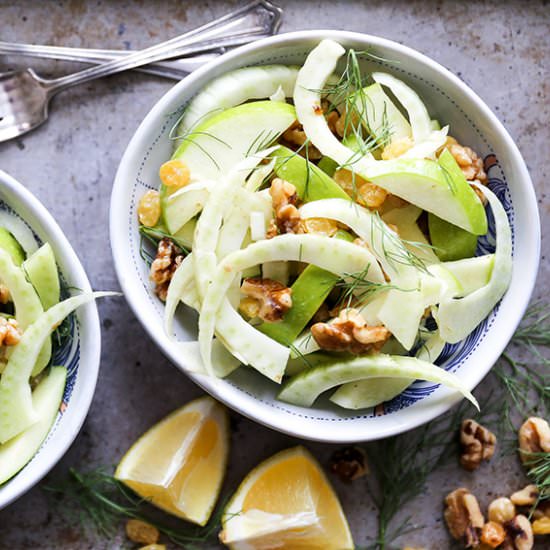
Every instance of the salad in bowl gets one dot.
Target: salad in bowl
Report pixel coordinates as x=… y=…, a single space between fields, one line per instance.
x=49 y=355
x=331 y=232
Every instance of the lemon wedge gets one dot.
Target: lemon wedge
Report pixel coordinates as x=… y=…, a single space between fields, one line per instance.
x=179 y=463
x=287 y=503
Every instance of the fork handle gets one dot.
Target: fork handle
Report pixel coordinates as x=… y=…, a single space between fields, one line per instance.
x=238 y=27
x=175 y=69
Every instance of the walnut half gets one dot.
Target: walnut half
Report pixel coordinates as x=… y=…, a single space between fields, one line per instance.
x=463 y=517
x=349 y=463
x=168 y=259
x=349 y=332
x=478 y=443
x=534 y=437
x=284 y=199
x=519 y=534
x=274 y=299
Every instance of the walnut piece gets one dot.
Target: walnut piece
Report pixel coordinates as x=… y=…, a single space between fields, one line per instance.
x=501 y=510
x=526 y=497
x=463 y=517
x=493 y=534
x=349 y=463
x=478 y=443
x=168 y=259
x=284 y=199
x=349 y=332
x=469 y=162
x=141 y=532
x=9 y=332
x=519 y=534
x=296 y=137
x=274 y=298
x=534 y=437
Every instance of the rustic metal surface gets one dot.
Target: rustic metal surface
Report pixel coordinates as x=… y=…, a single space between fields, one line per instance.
x=501 y=49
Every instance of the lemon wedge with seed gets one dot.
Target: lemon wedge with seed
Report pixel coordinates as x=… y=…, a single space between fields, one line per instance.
x=179 y=464
x=286 y=503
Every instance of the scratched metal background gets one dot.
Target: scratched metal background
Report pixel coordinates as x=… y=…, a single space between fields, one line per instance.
x=501 y=49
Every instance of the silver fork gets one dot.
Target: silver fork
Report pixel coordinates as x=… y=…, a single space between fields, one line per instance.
x=25 y=96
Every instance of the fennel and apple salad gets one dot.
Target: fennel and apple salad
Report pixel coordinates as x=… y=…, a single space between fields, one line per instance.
x=324 y=227
x=32 y=327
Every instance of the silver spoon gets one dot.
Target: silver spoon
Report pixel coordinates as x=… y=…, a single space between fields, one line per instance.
x=175 y=69
x=25 y=96
x=260 y=18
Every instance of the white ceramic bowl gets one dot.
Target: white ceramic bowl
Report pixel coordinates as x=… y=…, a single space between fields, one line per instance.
x=80 y=356
x=449 y=100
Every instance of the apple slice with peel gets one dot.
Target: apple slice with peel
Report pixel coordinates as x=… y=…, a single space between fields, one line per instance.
x=213 y=148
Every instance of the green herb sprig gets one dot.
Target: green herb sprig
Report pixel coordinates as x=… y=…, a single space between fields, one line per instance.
x=102 y=503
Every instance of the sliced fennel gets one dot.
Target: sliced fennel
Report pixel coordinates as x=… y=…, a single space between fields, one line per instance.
x=46 y=399
x=431 y=348
x=405 y=219
x=385 y=244
x=182 y=279
x=368 y=393
x=20 y=230
x=456 y=318
x=304 y=388
x=223 y=362
x=17 y=412
x=471 y=273
x=334 y=255
x=378 y=110
x=312 y=77
x=249 y=345
x=221 y=200
x=242 y=340
x=236 y=87
x=418 y=114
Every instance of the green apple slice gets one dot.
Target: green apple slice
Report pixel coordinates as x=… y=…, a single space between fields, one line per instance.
x=310 y=181
x=10 y=244
x=41 y=269
x=234 y=88
x=449 y=241
x=215 y=147
x=46 y=398
x=437 y=187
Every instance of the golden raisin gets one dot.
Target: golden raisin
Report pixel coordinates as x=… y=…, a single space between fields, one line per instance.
x=174 y=174
x=396 y=148
x=149 y=208
x=142 y=532
x=321 y=226
x=493 y=534
x=541 y=526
